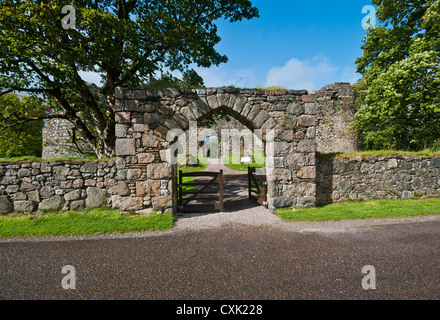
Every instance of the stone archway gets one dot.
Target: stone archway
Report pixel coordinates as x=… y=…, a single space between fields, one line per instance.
x=145 y=117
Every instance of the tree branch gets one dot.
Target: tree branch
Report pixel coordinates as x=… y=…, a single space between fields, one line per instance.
x=26 y=120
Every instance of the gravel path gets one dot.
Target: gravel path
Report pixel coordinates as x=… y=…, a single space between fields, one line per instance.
x=238 y=209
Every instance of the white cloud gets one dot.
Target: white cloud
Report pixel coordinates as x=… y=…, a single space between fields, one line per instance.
x=310 y=74
x=223 y=76
x=349 y=74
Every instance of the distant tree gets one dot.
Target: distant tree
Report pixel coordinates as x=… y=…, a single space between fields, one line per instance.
x=44 y=49
x=399 y=106
x=190 y=79
x=20 y=125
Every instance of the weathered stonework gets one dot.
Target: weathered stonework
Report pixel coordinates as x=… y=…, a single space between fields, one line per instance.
x=335 y=110
x=398 y=177
x=58 y=141
x=149 y=115
x=66 y=185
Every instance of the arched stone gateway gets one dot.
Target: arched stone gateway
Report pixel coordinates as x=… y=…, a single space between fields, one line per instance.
x=285 y=119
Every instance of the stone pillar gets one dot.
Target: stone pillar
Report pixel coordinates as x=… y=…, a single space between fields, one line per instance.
x=144 y=117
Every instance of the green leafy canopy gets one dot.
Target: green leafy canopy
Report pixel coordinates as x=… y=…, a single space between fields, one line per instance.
x=399 y=103
x=125 y=41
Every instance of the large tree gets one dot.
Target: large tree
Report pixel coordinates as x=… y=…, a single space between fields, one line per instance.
x=400 y=100
x=43 y=51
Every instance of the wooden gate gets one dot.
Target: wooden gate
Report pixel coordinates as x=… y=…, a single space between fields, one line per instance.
x=204 y=196
x=257 y=184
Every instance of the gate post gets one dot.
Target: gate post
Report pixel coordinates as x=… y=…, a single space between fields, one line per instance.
x=221 y=190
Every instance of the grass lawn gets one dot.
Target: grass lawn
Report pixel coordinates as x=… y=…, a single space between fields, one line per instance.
x=83 y=222
x=363 y=210
x=201 y=166
x=231 y=162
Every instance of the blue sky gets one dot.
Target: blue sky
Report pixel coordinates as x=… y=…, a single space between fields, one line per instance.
x=294 y=44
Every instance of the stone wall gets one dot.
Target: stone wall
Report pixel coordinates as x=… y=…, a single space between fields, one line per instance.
x=58 y=141
x=70 y=185
x=145 y=116
x=32 y=186
x=335 y=113
x=397 y=177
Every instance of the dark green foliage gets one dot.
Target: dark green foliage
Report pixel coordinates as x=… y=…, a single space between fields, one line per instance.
x=399 y=96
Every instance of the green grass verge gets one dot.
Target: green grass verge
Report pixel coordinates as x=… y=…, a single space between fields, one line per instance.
x=82 y=222
x=201 y=166
x=363 y=210
x=231 y=162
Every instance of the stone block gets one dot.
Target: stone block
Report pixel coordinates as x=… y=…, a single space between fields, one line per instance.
x=295 y=109
x=408 y=195
x=20 y=196
x=150 y=140
x=223 y=99
x=279 y=174
x=435 y=162
x=148 y=187
x=392 y=163
x=122 y=117
x=89 y=167
x=61 y=170
x=311 y=133
x=307 y=173
x=306 y=202
x=125 y=147
x=281 y=148
x=121 y=130
x=77 y=183
x=73 y=195
x=96 y=197
x=212 y=101
x=134 y=174
x=26 y=186
x=151 y=118
x=308 y=98
x=310 y=108
x=23 y=172
x=46 y=192
x=162 y=203
x=171 y=92
x=123 y=189
x=146 y=157
x=158 y=171
x=77 y=205
x=6 y=205
x=282 y=202
x=34 y=196
x=54 y=202
x=199 y=108
x=306 y=121
x=307 y=145
x=127 y=203
x=25 y=206
x=260 y=119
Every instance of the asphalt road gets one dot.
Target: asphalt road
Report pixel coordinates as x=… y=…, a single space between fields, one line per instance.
x=232 y=263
